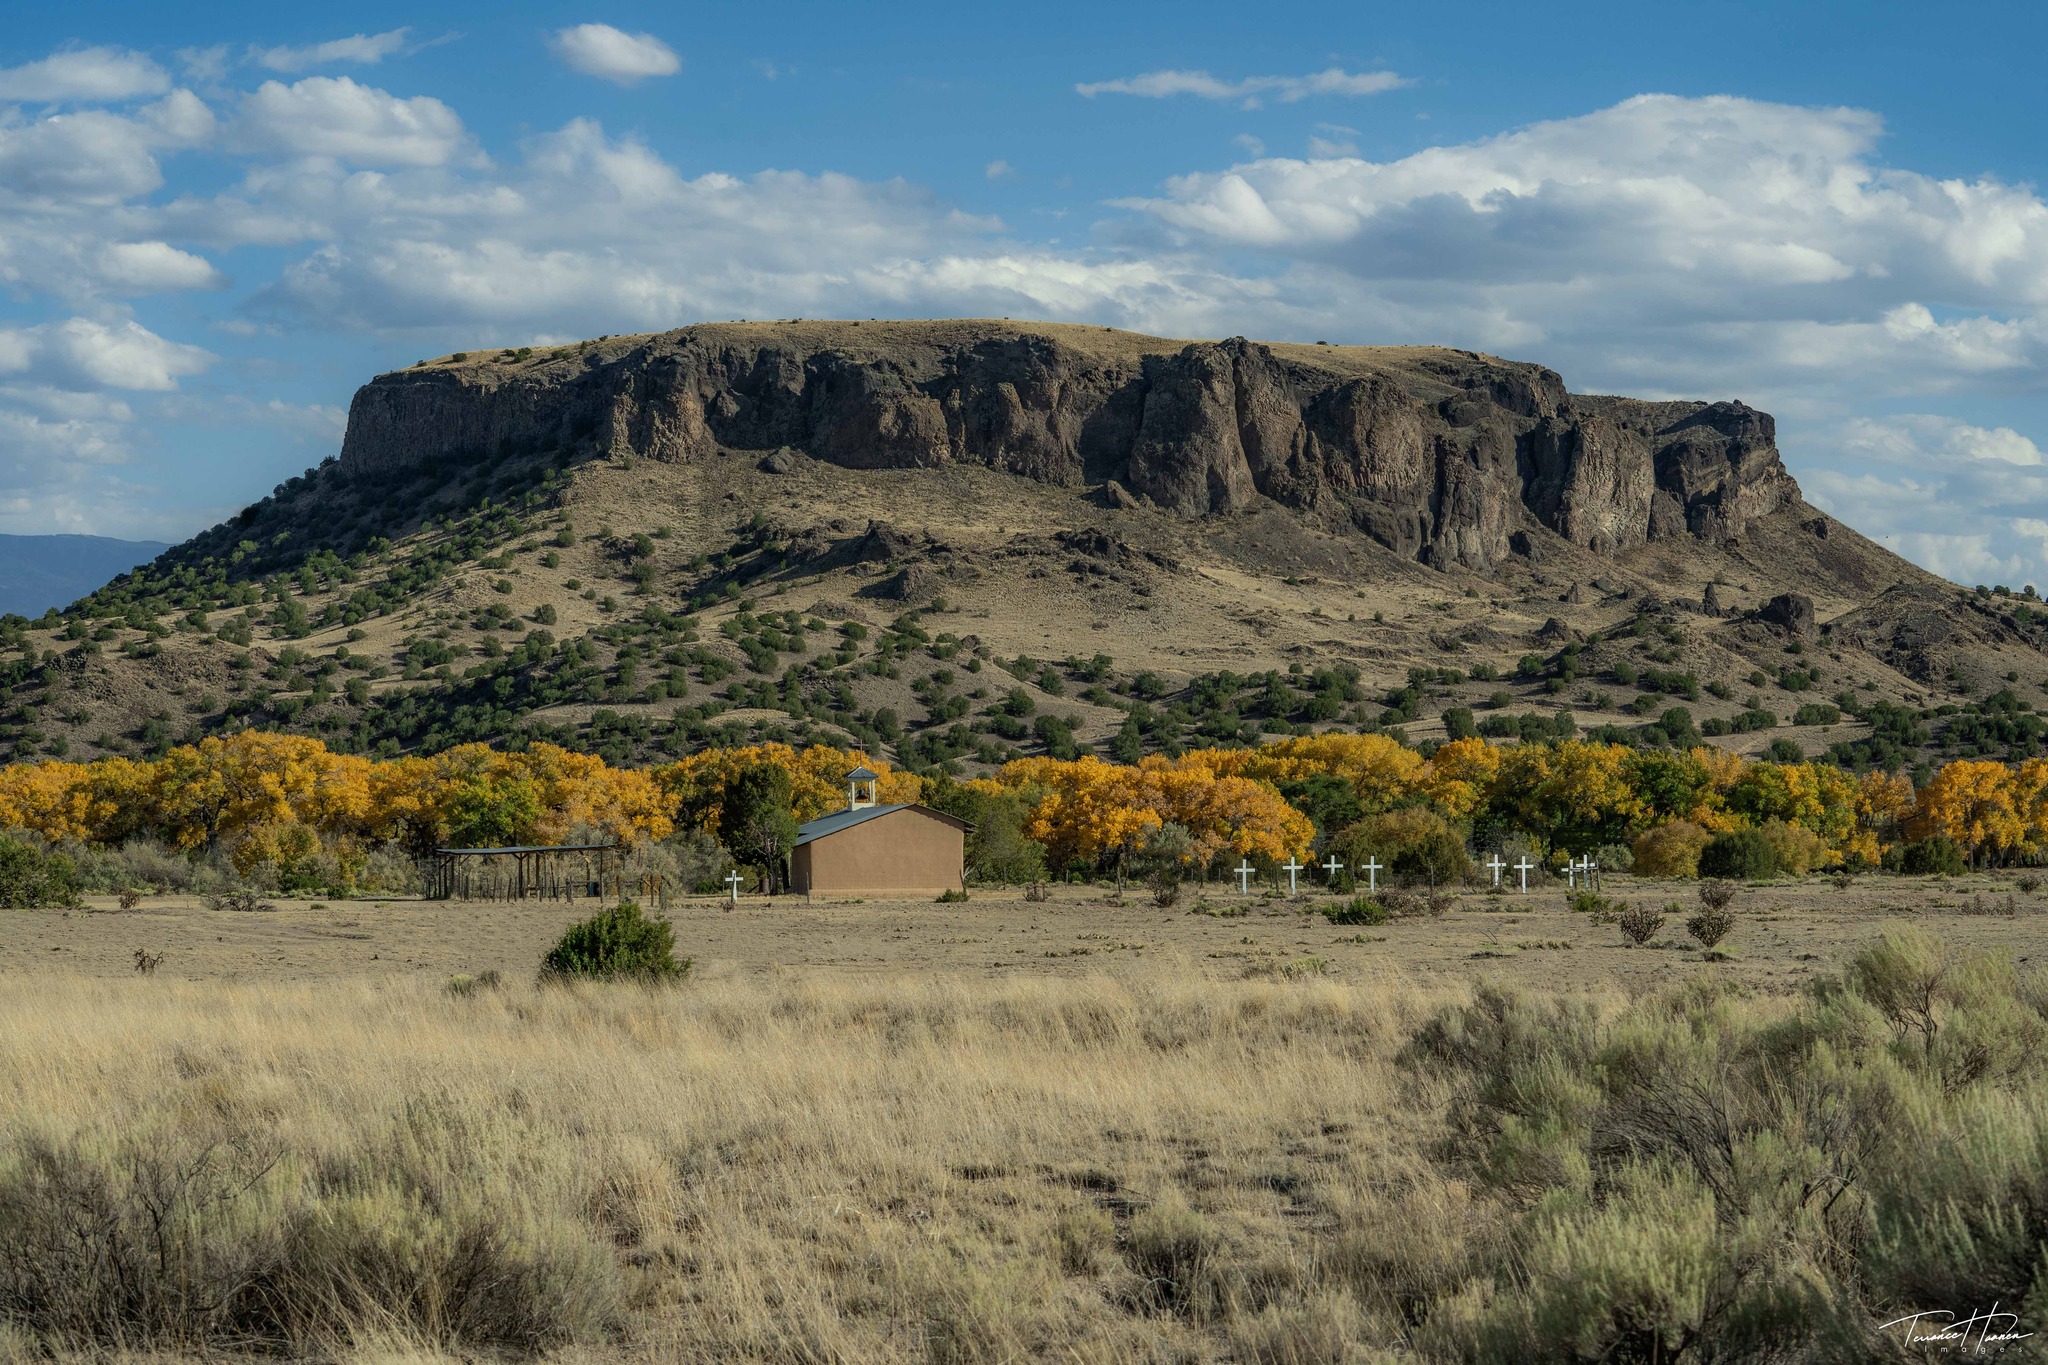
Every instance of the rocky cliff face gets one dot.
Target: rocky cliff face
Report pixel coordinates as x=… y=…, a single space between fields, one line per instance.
x=1442 y=455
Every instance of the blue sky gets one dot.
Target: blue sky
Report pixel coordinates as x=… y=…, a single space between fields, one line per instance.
x=216 y=221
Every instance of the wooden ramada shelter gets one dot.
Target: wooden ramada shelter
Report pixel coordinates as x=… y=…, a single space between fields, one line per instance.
x=551 y=871
x=874 y=850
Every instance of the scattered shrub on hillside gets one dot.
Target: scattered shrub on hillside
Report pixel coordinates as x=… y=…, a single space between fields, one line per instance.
x=1670 y=850
x=1709 y=927
x=33 y=877
x=952 y=896
x=1165 y=883
x=1037 y=891
x=621 y=943
x=1716 y=895
x=1741 y=855
x=1639 y=923
x=2028 y=882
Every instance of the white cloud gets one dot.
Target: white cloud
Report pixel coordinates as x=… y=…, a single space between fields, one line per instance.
x=1287 y=89
x=88 y=160
x=332 y=116
x=148 y=267
x=1664 y=243
x=1926 y=441
x=119 y=356
x=999 y=170
x=90 y=74
x=1250 y=145
x=83 y=355
x=366 y=48
x=614 y=55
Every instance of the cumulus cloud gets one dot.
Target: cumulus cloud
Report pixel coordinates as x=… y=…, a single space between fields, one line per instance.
x=87 y=74
x=150 y=267
x=614 y=55
x=86 y=354
x=1663 y=242
x=64 y=421
x=333 y=116
x=365 y=48
x=1287 y=89
x=1967 y=501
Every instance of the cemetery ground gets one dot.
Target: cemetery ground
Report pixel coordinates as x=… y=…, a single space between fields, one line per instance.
x=1007 y=1130
x=1785 y=932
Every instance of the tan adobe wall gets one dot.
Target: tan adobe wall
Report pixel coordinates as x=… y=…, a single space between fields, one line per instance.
x=904 y=852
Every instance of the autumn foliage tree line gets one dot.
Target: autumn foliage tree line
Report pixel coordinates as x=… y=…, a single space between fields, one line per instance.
x=287 y=809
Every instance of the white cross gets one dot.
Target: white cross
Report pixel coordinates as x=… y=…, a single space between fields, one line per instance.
x=1244 y=878
x=1587 y=868
x=1333 y=867
x=1496 y=864
x=1523 y=867
x=1290 y=867
x=1372 y=867
x=1571 y=872
x=734 y=881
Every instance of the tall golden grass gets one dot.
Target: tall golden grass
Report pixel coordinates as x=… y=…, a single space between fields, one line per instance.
x=813 y=1167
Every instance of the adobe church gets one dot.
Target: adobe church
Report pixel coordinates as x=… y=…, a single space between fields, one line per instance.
x=874 y=850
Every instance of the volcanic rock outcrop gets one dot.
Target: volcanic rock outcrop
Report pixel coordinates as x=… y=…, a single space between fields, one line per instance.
x=1447 y=456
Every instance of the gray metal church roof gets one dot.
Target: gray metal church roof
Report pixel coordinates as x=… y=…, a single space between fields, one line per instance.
x=847 y=819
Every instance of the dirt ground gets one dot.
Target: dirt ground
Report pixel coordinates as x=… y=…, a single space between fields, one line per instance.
x=1786 y=932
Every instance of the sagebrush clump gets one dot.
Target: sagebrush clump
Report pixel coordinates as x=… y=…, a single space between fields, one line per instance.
x=619 y=944
x=1358 y=910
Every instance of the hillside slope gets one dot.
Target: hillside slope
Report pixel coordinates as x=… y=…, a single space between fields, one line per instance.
x=968 y=540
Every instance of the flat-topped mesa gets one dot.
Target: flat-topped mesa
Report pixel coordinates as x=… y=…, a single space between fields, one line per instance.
x=1439 y=454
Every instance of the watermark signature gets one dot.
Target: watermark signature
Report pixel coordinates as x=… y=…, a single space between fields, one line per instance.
x=1978 y=1334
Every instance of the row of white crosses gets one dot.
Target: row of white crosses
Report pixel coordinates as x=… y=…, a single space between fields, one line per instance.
x=1371 y=867
x=1525 y=867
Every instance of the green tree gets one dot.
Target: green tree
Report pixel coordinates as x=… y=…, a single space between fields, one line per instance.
x=755 y=819
x=997 y=849
x=32 y=878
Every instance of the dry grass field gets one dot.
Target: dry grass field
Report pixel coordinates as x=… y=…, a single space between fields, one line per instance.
x=1006 y=1131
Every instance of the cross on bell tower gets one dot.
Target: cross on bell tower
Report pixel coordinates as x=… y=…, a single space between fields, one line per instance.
x=860 y=788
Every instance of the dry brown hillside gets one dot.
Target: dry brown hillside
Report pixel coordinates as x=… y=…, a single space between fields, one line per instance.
x=969 y=540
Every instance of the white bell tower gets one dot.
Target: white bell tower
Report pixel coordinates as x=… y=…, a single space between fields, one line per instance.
x=860 y=788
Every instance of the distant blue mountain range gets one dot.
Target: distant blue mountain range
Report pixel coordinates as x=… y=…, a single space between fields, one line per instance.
x=40 y=572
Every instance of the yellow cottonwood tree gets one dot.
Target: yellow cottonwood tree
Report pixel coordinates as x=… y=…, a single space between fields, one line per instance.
x=1972 y=802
